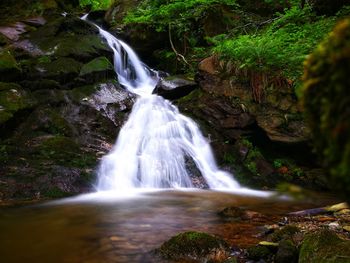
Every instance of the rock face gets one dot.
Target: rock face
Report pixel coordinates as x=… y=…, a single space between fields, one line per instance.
x=238 y=104
x=174 y=87
x=60 y=108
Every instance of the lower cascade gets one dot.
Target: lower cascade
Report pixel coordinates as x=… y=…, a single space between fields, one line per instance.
x=154 y=144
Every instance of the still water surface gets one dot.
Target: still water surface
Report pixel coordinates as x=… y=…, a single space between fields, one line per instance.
x=92 y=229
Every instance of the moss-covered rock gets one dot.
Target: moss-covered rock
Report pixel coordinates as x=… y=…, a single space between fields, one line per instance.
x=195 y=246
x=12 y=99
x=287 y=252
x=259 y=252
x=9 y=69
x=284 y=233
x=97 y=69
x=62 y=70
x=326 y=101
x=324 y=247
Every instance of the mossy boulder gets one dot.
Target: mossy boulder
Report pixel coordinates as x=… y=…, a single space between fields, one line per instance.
x=97 y=69
x=287 y=252
x=194 y=246
x=284 y=233
x=259 y=252
x=326 y=100
x=62 y=70
x=13 y=98
x=9 y=69
x=324 y=246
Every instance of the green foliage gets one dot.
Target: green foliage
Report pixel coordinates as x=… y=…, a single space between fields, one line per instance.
x=281 y=47
x=96 y=4
x=179 y=14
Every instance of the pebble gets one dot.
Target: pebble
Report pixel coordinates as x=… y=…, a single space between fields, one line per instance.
x=334 y=226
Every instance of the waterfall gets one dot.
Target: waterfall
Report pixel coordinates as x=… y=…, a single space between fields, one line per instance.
x=153 y=145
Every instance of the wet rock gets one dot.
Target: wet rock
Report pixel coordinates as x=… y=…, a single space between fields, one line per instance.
x=194 y=246
x=174 y=87
x=238 y=213
x=324 y=246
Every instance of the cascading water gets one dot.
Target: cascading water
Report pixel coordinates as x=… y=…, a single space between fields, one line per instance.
x=154 y=143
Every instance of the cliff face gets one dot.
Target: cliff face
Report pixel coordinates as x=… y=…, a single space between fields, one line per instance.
x=61 y=106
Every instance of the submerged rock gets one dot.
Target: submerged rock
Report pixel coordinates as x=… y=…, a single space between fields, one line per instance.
x=196 y=246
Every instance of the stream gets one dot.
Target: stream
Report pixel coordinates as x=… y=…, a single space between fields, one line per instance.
x=102 y=227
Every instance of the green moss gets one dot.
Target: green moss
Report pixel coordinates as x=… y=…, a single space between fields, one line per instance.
x=99 y=64
x=194 y=245
x=326 y=101
x=284 y=233
x=324 y=247
x=9 y=69
x=61 y=67
x=258 y=252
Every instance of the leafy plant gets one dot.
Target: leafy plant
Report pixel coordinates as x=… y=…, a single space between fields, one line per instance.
x=96 y=4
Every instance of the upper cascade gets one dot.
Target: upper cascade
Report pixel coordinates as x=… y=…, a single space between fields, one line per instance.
x=154 y=144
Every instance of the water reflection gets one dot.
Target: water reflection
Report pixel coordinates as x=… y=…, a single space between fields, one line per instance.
x=91 y=229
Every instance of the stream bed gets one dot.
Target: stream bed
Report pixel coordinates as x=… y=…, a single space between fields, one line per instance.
x=100 y=228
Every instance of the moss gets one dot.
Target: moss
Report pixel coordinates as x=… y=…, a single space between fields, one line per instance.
x=287 y=252
x=258 y=252
x=194 y=245
x=100 y=64
x=12 y=99
x=284 y=233
x=324 y=247
x=9 y=69
x=60 y=69
x=326 y=101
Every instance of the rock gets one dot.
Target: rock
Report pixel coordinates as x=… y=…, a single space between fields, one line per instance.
x=97 y=69
x=14 y=31
x=237 y=213
x=174 y=87
x=209 y=65
x=287 y=252
x=325 y=99
x=284 y=233
x=258 y=253
x=62 y=70
x=334 y=226
x=13 y=98
x=9 y=69
x=346 y=228
x=35 y=21
x=324 y=246
x=195 y=246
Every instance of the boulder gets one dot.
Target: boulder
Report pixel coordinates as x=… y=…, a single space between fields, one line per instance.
x=326 y=102
x=324 y=246
x=197 y=246
x=13 y=98
x=9 y=69
x=174 y=87
x=97 y=69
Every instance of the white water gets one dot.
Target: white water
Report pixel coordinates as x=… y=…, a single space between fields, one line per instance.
x=153 y=144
